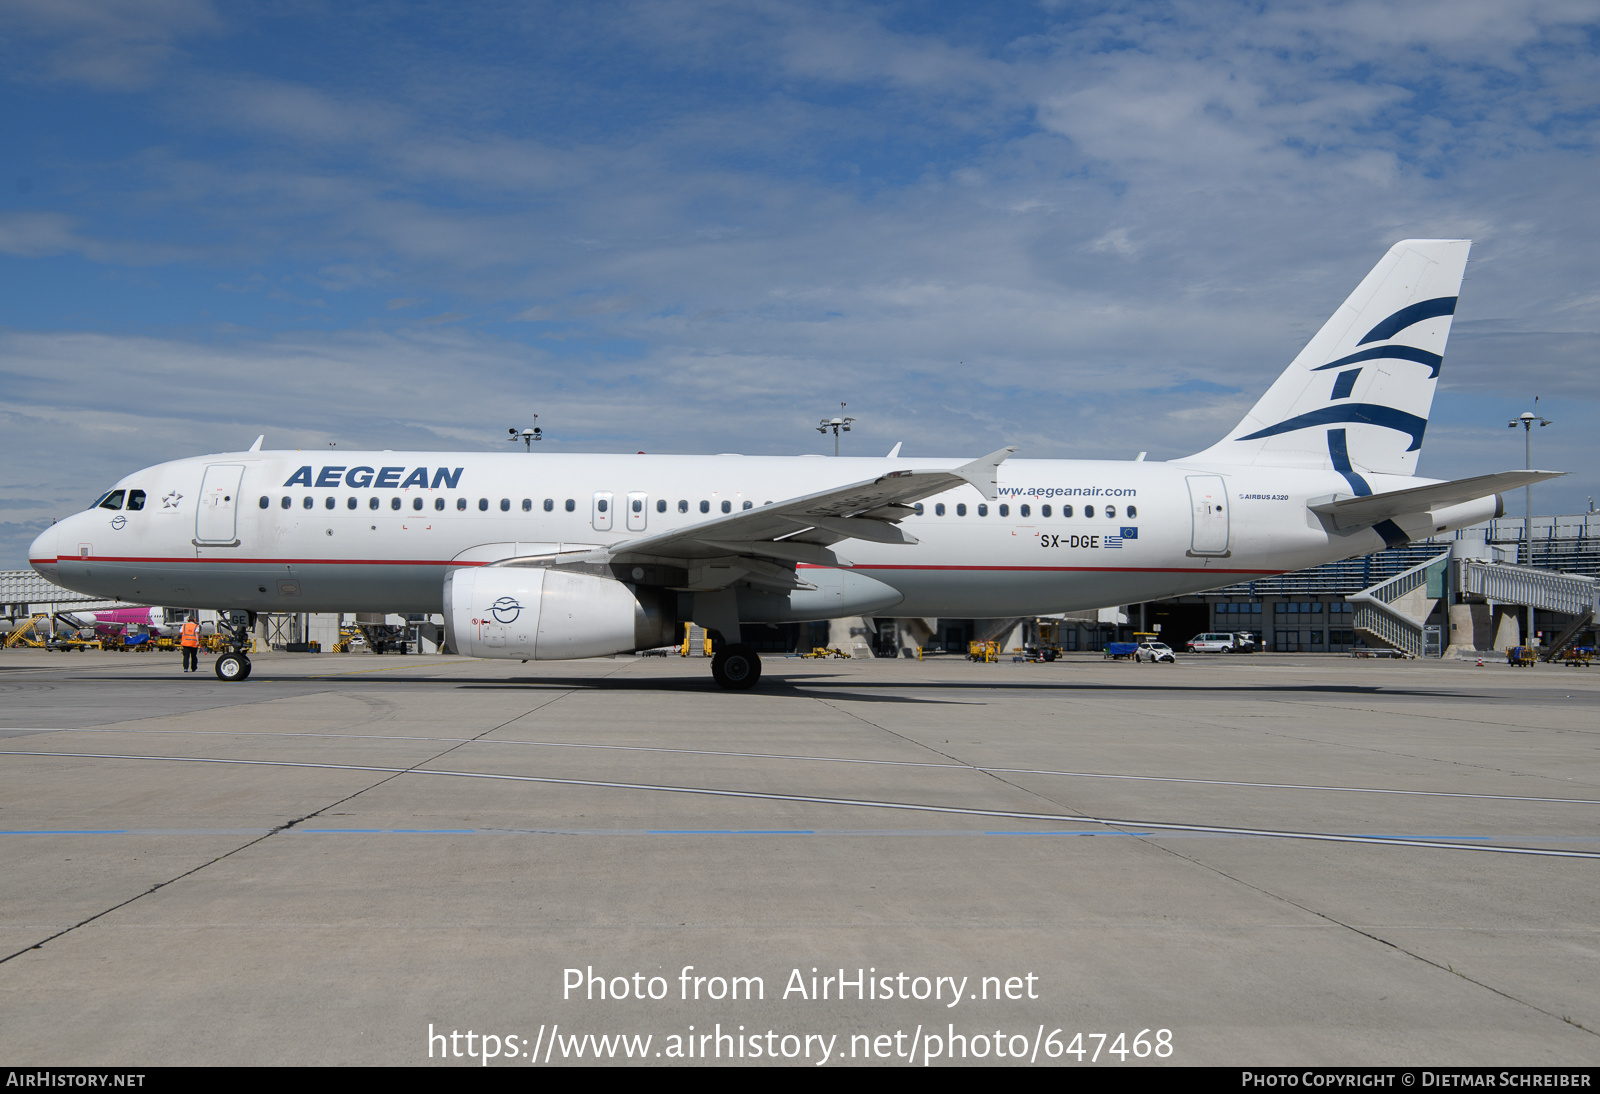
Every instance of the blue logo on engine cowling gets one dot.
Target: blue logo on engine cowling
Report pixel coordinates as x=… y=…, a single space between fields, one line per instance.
x=506 y=610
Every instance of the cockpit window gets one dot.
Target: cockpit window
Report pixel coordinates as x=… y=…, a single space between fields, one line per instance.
x=135 y=500
x=112 y=500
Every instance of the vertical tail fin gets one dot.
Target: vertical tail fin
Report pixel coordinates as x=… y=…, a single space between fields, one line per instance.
x=1357 y=397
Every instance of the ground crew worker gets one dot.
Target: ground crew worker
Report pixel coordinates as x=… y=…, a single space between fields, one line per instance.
x=190 y=641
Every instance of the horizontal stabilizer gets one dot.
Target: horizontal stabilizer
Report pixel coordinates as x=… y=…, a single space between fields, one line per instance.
x=1365 y=511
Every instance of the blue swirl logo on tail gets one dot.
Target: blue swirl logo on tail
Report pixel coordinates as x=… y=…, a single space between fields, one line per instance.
x=1356 y=413
x=1408 y=316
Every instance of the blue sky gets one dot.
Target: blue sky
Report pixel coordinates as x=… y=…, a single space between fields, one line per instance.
x=1084 y=229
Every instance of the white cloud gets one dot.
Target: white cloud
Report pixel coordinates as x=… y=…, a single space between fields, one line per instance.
x=114 y=44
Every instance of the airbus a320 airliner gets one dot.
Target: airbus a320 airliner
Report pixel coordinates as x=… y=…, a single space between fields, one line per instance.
x=562 y=556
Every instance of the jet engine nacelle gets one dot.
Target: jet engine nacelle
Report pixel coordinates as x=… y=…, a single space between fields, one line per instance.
x=540 y=614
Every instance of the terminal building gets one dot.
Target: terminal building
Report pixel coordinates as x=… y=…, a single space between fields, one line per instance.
x=1480 y=589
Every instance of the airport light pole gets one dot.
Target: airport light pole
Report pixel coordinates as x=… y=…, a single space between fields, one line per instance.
x=1526 y=420
x=527 y=436
x=835 y=424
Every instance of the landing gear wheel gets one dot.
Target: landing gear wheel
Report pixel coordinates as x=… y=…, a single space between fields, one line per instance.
x=232 y=668
x=247 y=668
x=736 y=667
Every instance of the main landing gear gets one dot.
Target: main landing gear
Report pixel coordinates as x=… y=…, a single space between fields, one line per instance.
x=736 y=667
x=234 y=663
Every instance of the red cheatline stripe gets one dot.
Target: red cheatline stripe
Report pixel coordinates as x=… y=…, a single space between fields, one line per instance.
x=803 y=566
x=273 y=561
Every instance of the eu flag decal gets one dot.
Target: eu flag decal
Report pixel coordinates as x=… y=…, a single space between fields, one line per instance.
x=1130 y=533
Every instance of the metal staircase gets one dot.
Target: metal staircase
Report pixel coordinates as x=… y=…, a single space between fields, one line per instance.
x=1379 y=615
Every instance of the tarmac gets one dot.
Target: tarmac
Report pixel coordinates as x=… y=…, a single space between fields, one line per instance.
x=1235 y=860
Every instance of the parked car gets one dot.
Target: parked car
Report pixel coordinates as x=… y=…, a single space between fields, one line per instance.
x=1217 y=642
x=1155 y=651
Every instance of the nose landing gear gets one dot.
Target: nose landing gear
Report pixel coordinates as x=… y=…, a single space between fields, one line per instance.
x=234 y=663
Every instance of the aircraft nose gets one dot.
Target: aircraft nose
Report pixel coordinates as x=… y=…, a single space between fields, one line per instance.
x=42 y=555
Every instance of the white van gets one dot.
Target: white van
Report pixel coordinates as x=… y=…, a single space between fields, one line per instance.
x=1221 y=643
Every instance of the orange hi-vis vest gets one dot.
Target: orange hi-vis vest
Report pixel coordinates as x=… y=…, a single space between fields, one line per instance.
x=191 y=633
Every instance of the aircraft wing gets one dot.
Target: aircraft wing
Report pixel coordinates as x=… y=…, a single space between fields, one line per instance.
x=1365 y=511
x=763 y=544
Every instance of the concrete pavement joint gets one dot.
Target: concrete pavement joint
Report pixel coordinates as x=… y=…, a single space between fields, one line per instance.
x=272 y=832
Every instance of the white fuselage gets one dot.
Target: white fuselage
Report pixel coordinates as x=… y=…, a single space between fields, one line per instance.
x=379 y=531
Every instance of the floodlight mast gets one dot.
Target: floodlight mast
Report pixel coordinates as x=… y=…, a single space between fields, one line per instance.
x=526 y=436
x=1526 y=420
x=837 y=425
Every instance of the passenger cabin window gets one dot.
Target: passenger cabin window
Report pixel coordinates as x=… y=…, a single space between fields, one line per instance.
x=602 y=505
x=983 y=510
x=1044 y=510
x=727 y=506
x=483 y=505
x=306 y=502
x=549 y=505
x=571 y=505
x=351 y=504
x=135 y=500
x=1133 y=512
x=286 y=503
x=461 y=505
x=961 y=508
x=1005 y=510
x=918 y=508
x=394 y=503
x=527 y=505
x=265 y=501
x=1024 y=510
x=683 y=505
x=505 y=505
x=637 y=505
x=749 y=505
x=661 y=505
x=372 y=503
x=438 y=505
x=1111 y=511
x=416 y=503
x=1066 y=510
x=705 y=507
x=330 y=503
x=113 y=500
x=938 y=510
x=1088 y=510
